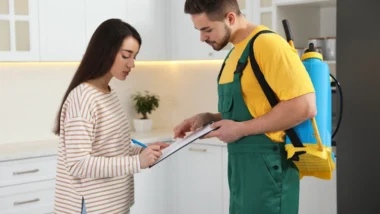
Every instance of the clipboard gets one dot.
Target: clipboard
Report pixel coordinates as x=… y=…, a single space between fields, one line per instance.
x=181 y=143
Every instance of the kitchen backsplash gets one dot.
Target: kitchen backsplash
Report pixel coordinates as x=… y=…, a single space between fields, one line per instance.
x=31 y=94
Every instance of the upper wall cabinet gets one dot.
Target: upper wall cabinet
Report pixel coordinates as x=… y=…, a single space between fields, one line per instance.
x=150 y=18
x=19 y=30
x=186 y=41
x=62 y=30
x=147 y=16
x=65 y=38
x=98 y=11
x=56 y=30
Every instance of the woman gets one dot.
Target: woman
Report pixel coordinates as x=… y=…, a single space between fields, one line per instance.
x=96 y=160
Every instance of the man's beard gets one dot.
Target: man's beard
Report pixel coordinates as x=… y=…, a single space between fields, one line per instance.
x=224 y=42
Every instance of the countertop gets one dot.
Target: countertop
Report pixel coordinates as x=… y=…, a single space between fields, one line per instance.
x=48 y=147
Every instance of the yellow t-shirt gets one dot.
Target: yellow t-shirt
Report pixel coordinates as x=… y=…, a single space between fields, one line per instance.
x=281 y=66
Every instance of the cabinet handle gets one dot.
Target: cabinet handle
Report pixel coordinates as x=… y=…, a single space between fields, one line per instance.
x=197 y=150
x=25 y=202
x=26 y=172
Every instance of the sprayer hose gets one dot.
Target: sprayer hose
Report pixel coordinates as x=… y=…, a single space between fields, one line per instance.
x=340 y=106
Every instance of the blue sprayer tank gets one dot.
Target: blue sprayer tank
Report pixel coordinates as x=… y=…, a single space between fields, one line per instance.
x=319 y=73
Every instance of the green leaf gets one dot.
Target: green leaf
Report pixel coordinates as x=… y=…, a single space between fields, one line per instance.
x=145 y=104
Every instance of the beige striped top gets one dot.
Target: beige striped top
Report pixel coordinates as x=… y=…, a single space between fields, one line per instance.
x=96 y=160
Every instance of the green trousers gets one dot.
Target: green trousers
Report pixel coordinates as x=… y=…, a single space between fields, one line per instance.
x=262 y=180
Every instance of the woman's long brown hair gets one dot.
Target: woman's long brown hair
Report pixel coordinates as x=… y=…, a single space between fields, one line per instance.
x=99 y=56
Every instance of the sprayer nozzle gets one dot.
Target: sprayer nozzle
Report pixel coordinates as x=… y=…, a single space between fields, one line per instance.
x=311 y=48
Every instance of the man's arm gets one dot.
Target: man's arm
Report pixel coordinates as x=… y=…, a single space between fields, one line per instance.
x=288 y=78
x=284 y=115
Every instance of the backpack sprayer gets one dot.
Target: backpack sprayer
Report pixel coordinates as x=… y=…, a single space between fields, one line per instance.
x=310 y=147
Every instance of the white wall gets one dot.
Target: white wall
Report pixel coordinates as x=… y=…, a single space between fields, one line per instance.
x=328 y=21
x=30 y=94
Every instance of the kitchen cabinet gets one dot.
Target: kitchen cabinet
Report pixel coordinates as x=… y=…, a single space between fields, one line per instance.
x=265 y=14
x=186 y=43
x=33 y=198
x=193 y=180
x=154 y=189
x=187 y=180
x=53 y=30
x=62 y=30
x=68 y=40
x=97 y=11
x=27 y=170
x=27 y=185
x=19 y=34
x=318 y=20
x=183 y=183
x=42 y=30
x=150 y=18
x=185 y=39
x=65 y=37
x=199 y=175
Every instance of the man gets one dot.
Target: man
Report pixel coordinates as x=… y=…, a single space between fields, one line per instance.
x=261 y=179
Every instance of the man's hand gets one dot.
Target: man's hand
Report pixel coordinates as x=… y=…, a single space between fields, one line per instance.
x=193 y=123
x=228 y=131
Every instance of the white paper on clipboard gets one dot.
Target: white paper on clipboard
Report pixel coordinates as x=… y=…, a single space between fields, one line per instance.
x=180 y=143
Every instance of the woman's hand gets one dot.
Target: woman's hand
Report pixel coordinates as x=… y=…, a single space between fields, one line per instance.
x=149 y=155
x=161 y=144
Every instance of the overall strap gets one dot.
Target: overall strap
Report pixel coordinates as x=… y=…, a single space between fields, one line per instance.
x=269 y=93
x=224 y=63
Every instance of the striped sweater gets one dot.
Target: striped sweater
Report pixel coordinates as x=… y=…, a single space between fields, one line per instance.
x=95 y=158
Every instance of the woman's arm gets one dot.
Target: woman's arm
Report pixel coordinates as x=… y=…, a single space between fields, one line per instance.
x=79 y=161
x=136 y=149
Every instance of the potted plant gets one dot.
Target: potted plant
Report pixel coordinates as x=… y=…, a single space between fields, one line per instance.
x=144 y=104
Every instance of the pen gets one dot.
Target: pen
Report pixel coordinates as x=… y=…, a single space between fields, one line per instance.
x=138 y=143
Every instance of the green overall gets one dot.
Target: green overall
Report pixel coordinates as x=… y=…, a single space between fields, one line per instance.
x=261 y=179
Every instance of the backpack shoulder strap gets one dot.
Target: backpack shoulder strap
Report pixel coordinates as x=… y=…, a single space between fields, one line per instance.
x=269 y=93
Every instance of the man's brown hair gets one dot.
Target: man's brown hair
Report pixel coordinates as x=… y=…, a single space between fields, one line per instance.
x=216 y=10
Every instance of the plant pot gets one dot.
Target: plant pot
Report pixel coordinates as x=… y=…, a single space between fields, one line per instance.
x=143 y=125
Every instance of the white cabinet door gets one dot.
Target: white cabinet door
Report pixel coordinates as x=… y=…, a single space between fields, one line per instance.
x=19 y=40
x=185 y=39
x=318 y=196
x=199 y=180
x=37 y=197
x=29 y=170
x=153 y=189
x=62 y=30
x=150 y=19
x=98 y=11
x=149 y=187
